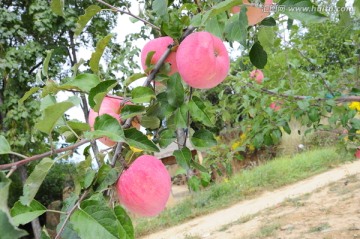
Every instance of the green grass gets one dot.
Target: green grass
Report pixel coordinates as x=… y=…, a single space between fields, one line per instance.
x=247 y=184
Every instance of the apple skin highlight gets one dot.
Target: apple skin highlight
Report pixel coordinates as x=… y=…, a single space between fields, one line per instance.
x=159 y=45
x=202 y=60
x=145 y=186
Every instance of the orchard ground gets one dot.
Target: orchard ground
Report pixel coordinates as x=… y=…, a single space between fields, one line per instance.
x=247 y=185
x=323 y=206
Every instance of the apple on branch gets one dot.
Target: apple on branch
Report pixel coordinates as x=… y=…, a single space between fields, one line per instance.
x=159 y=46
x=145 y=186
x=258 y=75
x=254 y=14
x=202 y=60
x=111 y=106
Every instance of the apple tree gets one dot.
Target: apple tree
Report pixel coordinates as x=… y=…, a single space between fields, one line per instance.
x=195 y=81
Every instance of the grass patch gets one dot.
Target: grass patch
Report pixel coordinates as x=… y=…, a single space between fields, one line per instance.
x=273 y=174
x=268 y=230
x=320 y=228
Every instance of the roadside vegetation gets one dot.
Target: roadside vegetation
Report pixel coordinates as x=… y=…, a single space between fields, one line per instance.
x=247 y=184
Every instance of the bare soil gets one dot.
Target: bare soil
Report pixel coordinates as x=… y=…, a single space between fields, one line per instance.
x=325 y=206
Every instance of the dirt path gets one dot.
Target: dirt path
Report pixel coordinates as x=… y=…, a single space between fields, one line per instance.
x=335 y=205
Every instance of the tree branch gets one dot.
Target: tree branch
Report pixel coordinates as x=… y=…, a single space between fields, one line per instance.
x=43 y=155
x=342 y=99
x=130 y=14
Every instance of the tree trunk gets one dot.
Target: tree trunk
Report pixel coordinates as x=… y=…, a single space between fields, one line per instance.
x=35 y=224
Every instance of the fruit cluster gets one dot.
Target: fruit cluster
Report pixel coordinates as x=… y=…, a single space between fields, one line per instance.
x=203 y=62
x=201 y=59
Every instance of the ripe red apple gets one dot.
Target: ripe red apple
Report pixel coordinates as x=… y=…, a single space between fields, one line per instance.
x=258 y=75
x=357 y=154
x=202 y=60
x=275 y=106
x=111 y=106
x=159 y=45
x=145 y=186
x=254 y=14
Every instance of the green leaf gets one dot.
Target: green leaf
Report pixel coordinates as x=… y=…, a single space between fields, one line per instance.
x=84 y=82
x=133 y=78
x=84 y=19
x=4 y=146
x=67 y=205
x=98 y=93
x=11 y=232
x=106 y=176
x=198 y=111
x=194 y=183
x=22 y=214
x=180 y=117
x=160 y=9
x=203 y=139
x=34 y=181
x=314 y=115
x=106 y=126
x=149 y=57
x=183 y=157
x=125 y=221
x=7 y=227
x=302 y=10
x=46 y=63
x=236 y=27
x=57 y=6
x=150 y=122
x=258 y=56
x=95 y=56
x=51 y=115
x=215 y=27
x=44 y=234
x=137 y=139
x=266 y=37
x=78 y=126
x=129 y=111
x=166 y=137
x=28 y=94
x=220 y=8
x=356 y=6
x=287 y=128
x=269 y=21
x=175 y=90
x=95 y=220
x=142 y=94
x=89 y=178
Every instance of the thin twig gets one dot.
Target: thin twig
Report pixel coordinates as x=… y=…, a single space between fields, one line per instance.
x=188 y=119
x=130 y=14
x=43 y=155
x=70 y=213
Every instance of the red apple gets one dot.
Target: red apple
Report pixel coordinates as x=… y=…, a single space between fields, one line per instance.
x=202 y=60
x=254 y=14
x=159 y=45
x=111 y=106
x=275 y=106
x=357 y=154
x=145 y=186
x=258 y=75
